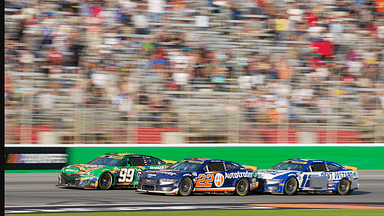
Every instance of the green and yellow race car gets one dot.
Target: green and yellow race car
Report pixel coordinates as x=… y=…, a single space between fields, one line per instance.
x=110 y=170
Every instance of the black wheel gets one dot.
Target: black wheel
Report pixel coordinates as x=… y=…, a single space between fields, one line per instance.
x=185 y=187
x=343 y=187
x=290 y=186
x=105 y=181
x=242 y=187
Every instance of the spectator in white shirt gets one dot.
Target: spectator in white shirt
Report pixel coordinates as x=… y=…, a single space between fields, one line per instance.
x=156 y=8
x=140 y=23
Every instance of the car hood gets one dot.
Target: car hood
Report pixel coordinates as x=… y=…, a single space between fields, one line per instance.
x=274 y=174
x=165 y=174
x=81 y=168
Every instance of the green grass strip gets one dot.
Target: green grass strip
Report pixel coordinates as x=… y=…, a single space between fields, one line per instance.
x=293 y=212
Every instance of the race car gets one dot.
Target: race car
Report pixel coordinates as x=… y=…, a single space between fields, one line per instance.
x=200 y=176
x=109 y=170
x=315 y=176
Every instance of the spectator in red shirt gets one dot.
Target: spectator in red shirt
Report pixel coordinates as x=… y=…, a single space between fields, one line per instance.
x=324 y=48
x=312 y=19
x=371 y=26
x=260 y=3
x=97 y=9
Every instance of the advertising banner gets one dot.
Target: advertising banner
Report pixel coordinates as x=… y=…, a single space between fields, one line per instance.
x=46 y=159
x=35 y=158
x=262 y=156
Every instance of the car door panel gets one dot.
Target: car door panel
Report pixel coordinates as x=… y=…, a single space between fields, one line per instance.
x=316 y=177
x=318 y=182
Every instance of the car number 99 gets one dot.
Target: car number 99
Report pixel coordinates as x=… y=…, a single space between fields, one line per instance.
x=127 y=175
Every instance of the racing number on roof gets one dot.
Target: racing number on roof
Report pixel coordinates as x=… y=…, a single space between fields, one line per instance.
x=126 y=175
x=204 y=180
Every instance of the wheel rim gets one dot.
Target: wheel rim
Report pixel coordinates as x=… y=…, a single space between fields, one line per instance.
x=105 y=181
x=242 y=187
x=291 y=186
x=343 y=186
x=185 y=187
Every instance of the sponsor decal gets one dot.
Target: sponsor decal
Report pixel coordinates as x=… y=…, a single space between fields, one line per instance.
x=139 y=172
x=238 y=174
x=157 y=167
x=36 y=158
x=338 y=175
x=219 y=180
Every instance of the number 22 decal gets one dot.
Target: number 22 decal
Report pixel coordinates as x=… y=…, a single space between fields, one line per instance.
x=204 y=180
x=127 y=175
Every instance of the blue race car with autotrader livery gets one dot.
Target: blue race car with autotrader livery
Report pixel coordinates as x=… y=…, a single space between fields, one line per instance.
x=309 y=175
x=200 y=175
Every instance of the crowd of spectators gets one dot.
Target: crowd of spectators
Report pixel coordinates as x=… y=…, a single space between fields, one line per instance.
x=131 y=56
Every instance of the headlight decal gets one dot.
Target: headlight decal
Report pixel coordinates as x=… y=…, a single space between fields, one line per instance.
x=167 y=181
x=86 y=174
x=273 y=181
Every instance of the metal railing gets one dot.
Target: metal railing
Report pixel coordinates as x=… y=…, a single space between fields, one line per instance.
x=192 y=116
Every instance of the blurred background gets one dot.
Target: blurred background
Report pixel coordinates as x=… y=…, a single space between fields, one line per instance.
x=193 y=71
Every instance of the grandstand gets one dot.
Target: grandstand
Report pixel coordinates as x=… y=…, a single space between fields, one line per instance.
x=194 y=71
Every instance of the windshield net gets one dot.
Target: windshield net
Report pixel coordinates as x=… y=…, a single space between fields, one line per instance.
x=289 y=166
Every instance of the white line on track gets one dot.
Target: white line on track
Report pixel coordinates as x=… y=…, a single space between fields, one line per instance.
x=117 y=204
x=168 y=207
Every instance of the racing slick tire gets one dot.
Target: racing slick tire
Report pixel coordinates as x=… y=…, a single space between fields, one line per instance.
x=105 y=181
x=185 y=187
x=242 y=187
x=343 y=187
x=290 y=186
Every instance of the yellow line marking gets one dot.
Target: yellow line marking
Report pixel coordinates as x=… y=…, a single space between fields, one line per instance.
x=320 y=206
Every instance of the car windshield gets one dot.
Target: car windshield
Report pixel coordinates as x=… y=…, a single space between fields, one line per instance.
x=289 y=166
x=186 y=166
x=105 y=161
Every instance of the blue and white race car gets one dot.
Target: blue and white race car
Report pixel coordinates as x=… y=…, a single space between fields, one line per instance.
x=294 y=175
x=200 y=175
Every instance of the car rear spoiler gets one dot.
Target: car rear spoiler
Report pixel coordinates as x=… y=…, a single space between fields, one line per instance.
x=350 y=168
x=253 y=168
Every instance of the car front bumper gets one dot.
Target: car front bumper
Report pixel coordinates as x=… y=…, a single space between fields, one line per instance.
x=156 y=188
x=89 y=182
x=270 y=188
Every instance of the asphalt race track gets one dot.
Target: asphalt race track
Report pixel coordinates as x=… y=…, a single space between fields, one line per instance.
x=39 y=190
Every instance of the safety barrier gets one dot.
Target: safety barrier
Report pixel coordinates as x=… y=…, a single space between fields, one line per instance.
x=362 y=156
